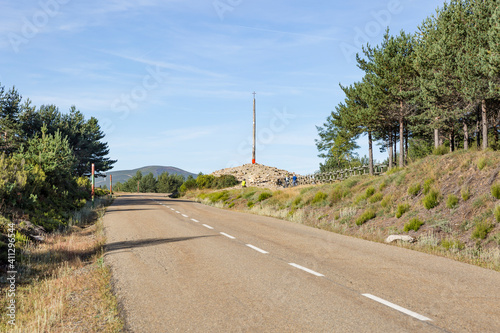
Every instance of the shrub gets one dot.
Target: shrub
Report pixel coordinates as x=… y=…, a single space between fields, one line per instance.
x=414 y=189
x=225 y=181
x=427 y=185
x=264 y=195
x=465 y=192
x=336 y=195
x=452 y=244
x=495 y=190
x=414 y=224
x=367 y=215
x=431 y=200
x=319 y=197
x=231 y=205
x=205 y=181
x=370 y=191
x=218 y=196
x=402 y=208
x=376 y=198
x=451 y=201
x=297 y=201
x=359 y=198
x=496 y=212
x=441 y=150
x=481 y=163
x=385 y=202
x=250 y=204
x=482 y=229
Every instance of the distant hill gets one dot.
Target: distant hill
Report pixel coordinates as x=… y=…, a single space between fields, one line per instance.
x=124 y=175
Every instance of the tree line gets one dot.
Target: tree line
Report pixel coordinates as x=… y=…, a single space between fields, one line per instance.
x=173 y=183
x=437 y=87
x=45 y=159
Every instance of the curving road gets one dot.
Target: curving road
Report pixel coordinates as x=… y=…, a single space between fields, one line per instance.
x=179 y=266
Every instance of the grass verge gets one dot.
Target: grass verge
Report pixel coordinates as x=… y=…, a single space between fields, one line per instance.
x=62 y=284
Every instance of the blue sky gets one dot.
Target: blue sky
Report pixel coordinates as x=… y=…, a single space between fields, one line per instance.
x=171 y=81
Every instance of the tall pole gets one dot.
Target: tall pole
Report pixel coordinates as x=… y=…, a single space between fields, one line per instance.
x=254 y=132
x=93 y=184
x=111 y=184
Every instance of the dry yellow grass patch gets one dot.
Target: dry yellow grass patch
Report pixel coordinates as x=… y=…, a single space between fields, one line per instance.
x=63 y=286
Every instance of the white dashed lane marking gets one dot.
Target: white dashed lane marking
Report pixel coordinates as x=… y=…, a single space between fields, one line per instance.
x=257 y=249
x=207 y=226
x=195 y=220
x=397 y=307
x=184 y=215
x=305 y=269
x=228 y=236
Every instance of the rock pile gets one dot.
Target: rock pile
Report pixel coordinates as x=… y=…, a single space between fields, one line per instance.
x=256 y=174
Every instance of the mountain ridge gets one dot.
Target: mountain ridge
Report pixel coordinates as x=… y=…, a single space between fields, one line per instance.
x=124 y=175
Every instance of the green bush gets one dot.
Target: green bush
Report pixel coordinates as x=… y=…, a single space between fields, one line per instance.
x=250 y=204
x=414 y=189
x=495 y=190
x=370 y=191
x=451 y=201
x=402 y=208
x=205 y=181
x=264 y=195
x=481 y=163
x=427 y=185
x=225 y=181
x=482 y=229
x=431 y=200
x=319 y=197
x=414 y=224
x=496 y=212
x=218 y=196
x=376 y=198
x=441 y=150
x=452 y=244
x=367 y=215
x=385 y=202
x=465 y=193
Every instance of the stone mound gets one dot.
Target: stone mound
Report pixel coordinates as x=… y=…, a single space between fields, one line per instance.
x=256 y=174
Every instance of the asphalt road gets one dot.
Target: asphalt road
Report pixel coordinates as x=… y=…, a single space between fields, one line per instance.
x=180 y=266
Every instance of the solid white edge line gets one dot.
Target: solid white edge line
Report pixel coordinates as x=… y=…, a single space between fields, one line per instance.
x=257 y=249
x=397 y=307
x=207 y=226
x=185 y=215
x=228 y=236
x=195 y=220
x=306 y=269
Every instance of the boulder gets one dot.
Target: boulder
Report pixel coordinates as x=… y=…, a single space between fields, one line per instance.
x=404 y=238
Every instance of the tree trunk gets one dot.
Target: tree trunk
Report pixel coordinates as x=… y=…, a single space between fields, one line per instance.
x=395 y=144
x=466 y=137
x=484 y=121
x=436 y=138
x=370 y=153
x=401 y=141
x=389 y=150
x=406 y=144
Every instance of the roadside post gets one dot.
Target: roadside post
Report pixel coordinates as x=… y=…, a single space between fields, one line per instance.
x=93 y=184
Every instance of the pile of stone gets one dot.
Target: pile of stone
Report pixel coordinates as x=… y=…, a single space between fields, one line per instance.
x=256 y=174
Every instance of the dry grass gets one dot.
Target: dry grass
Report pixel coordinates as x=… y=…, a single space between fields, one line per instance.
x=63 y=286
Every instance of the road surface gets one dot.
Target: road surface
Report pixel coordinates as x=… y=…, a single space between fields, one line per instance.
x=180 y=266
